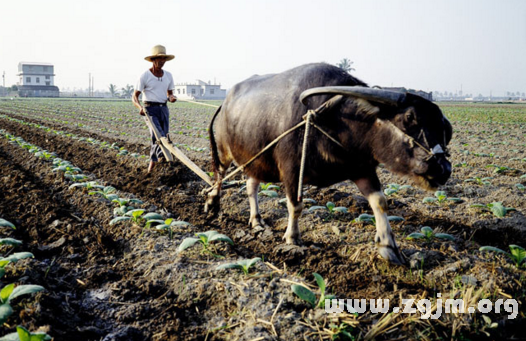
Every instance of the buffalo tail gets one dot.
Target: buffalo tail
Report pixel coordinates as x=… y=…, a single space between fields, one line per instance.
x=213 y=144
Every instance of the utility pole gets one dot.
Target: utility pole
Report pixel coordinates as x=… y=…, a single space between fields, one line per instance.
x=3 y=83
x=89 y=86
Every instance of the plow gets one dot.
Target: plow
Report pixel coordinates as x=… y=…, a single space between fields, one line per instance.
x=170 y=151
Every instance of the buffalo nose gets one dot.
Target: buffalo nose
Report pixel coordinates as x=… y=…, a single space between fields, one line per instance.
x=446 y=171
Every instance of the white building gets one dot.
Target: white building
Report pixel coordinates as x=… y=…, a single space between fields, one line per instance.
x=201 y=90
x=36 y=80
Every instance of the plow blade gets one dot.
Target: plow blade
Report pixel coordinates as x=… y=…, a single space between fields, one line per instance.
x=184 y=159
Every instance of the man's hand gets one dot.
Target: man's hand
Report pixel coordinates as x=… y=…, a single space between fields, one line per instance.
x=172 y=98
x=142 y=112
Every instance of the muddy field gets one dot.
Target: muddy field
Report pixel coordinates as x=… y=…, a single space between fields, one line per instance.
x=123 y=282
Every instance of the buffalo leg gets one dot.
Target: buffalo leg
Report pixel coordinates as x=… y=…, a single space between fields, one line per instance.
x=292 y=235
x=252 y=191
x=212 y=201
x=384 y=238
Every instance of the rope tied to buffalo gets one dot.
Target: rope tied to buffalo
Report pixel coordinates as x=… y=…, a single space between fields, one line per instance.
x=309 y=115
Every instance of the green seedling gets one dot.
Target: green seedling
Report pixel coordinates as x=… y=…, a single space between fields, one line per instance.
x=106 y=192
x=520 y=187
x=15 y=257
x=22 y=334
x=87 y=185
x=136 y=216
x=329 y=206
x=310 y=297
x=488 y=325
x=44 y=154
x=306 y=202
x=121 y=210
x=125 y=202
x=244 y=265
x=67 y=168
x=341 y=332
x=480 y=181
x=392 y=189
x=8 y=293
x=269 y=190
x=517 y=253
x=369 y=218
x=268 y=186
x=123 y=152
x=76 y=177
x=500 y=169
x=496 y=208
x=440 y=198
x=10 y=242
x=309 y=201
x=427 y=233
x=205 y=239
x=5 y=223
x=166 y=225
x=269 y=193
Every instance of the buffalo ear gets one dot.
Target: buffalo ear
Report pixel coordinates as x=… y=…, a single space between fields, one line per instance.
x=366 y=107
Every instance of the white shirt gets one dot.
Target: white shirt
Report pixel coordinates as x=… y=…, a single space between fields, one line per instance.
x=154 y=89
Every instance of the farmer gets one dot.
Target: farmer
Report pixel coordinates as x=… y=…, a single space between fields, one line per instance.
x=157 y=87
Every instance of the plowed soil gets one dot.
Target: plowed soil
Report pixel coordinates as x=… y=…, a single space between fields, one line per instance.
x=118 y=282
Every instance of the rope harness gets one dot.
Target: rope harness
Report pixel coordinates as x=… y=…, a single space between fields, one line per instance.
x=431 y=152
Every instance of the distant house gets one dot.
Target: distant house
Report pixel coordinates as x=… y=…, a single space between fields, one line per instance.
x=201 y=90
x=36 y=80
x=426 y=95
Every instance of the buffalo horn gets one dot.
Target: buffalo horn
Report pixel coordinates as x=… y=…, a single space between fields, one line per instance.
x=370 y=94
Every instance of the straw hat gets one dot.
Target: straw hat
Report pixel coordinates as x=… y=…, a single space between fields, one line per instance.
x=159 y=51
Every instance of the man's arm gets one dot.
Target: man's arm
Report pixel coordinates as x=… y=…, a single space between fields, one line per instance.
x=135 y=100
x=171 y=96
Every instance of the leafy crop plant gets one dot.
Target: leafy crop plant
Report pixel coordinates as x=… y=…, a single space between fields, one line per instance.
x=496 y=208
x=309 y=296
x=205 y=239
x=440 y=198
x=244 y=265
x=9 y=292
x=427 y=233
x=517 y=253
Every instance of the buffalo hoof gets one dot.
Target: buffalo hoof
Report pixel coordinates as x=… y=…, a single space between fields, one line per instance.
x=258 y=224
x=391 y=254
x=292 y=240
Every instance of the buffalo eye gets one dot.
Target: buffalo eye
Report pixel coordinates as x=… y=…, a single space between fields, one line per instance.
x=410 y=117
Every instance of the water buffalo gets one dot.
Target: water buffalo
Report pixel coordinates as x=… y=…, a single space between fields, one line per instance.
x=405 y=132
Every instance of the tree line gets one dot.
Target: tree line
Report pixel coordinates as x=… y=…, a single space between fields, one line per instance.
x=125 y=92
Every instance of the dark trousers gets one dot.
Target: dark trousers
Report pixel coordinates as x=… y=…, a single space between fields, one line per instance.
x=159 y=116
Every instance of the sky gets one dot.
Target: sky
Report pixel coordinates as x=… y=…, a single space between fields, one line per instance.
x=478 y=46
